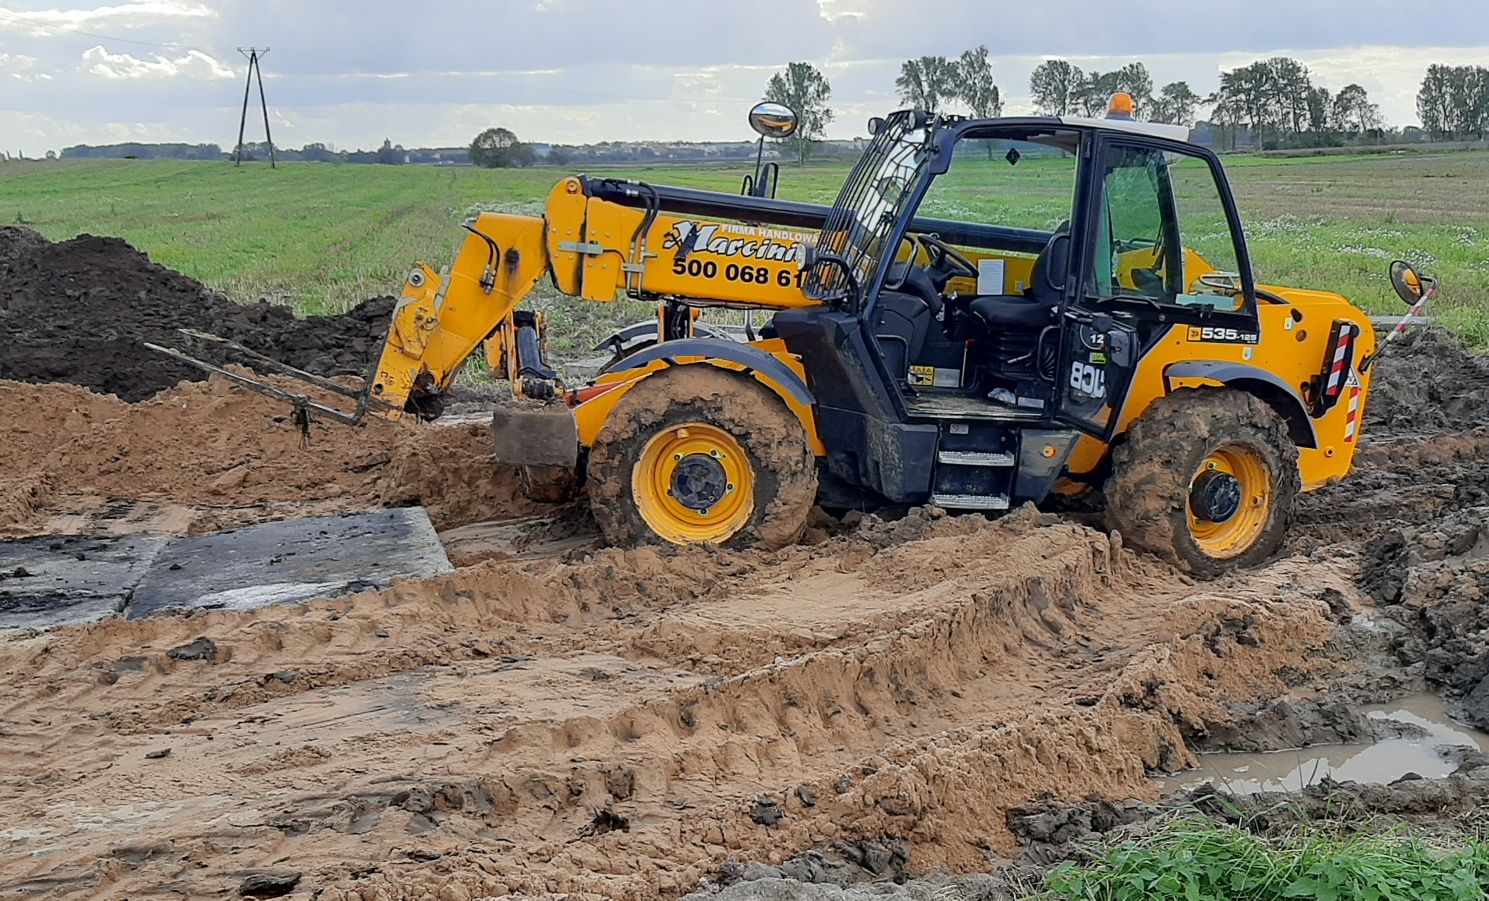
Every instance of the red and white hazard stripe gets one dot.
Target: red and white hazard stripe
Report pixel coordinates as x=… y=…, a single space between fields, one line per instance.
x=1352 y=416
x=1339 y=369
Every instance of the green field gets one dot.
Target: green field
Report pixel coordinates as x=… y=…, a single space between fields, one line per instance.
x=323 y=237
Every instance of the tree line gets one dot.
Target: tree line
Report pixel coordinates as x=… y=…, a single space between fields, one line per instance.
x=1453 y=102
x=1278 y=103
x=1268 y=103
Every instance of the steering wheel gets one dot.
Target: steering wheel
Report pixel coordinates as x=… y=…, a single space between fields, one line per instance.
x=946 y=262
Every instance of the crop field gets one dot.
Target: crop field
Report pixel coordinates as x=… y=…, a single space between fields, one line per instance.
x=323 y=237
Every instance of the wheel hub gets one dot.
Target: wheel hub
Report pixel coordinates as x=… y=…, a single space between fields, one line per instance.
x=699 y=482
x=1215 y=496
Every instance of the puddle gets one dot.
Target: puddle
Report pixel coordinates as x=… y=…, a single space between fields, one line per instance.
x=1381 y=762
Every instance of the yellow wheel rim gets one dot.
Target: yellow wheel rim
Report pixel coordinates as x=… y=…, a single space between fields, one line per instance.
x=1230 y=501
x=693 y=483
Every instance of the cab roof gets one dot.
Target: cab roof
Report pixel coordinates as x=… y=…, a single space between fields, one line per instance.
x=1154 y=129
x=1128 y=126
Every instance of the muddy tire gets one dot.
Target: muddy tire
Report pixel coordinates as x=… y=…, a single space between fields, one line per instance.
x=1206 y=479
x=697 y=454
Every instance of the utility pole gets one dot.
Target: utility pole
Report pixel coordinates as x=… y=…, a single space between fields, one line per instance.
x=253 y=55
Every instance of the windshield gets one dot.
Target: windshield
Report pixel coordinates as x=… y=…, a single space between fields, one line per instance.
x=872 y=200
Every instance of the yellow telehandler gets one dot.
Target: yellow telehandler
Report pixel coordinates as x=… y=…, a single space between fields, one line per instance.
x=992 y=311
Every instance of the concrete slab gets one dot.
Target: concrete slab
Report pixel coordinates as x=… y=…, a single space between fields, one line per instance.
x=294 y=560
x=53 y=580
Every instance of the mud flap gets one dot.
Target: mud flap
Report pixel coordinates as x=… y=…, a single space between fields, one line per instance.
x=536 y=436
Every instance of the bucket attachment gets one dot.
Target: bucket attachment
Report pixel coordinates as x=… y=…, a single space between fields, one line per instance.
x=304 y=406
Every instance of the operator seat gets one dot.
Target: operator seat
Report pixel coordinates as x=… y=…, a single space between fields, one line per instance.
x=1035 y=308
x=905 y=314
x=1015 y=323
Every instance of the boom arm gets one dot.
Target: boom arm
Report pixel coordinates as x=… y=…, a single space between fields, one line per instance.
x=592 y=247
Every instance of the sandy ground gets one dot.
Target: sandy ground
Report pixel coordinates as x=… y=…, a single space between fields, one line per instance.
x=554 y=718
x=206 y=456
x=607 y=726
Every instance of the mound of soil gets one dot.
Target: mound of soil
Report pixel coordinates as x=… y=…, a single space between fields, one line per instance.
x=226 y=456
x=17 y=241
x=79 y=311
x=1427 y=382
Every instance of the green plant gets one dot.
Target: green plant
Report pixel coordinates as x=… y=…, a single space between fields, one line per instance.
x=1195 y=858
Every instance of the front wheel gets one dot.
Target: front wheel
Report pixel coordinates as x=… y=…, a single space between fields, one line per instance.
x=1207 y=479
x=700 y=455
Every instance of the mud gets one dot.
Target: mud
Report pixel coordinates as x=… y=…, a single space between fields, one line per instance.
x=1427 y=382
x=1433 y=577
x=1419 y=507
x=79 y=311
x=1412 y=736
x=1051 y=832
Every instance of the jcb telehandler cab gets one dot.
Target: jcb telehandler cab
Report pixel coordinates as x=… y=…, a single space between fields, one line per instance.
x=992 y=310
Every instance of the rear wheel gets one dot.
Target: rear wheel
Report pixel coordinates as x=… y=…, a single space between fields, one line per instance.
x=1207 y=479
x=697 y=454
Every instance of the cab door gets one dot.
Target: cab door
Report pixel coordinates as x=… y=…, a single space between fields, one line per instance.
x=1162 y=248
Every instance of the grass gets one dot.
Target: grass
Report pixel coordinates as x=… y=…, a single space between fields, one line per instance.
x=1198 y=859
x=324 y=236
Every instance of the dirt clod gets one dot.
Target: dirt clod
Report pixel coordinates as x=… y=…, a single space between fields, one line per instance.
x=766 y=811
x=268 y=885
x=200 y=649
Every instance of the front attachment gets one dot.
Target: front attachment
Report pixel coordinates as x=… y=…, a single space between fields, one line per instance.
x=303 y=405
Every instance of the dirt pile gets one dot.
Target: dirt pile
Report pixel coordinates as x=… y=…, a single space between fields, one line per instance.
x=17 y=241
x=202 y=456
x=78 y=311
x=1427 y=382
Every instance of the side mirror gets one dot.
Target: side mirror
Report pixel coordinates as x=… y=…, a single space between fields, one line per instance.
x=1408 y=283
x=876 y=125
x=773 y=120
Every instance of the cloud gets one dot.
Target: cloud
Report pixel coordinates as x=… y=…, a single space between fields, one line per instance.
x=193 y=64
x=134 y=14
x=17 y=62
x=352 y=72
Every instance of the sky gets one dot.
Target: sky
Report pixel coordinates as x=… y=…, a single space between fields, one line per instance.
x=578 y=71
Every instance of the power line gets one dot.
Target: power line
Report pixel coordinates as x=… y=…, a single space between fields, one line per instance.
x=23 y=22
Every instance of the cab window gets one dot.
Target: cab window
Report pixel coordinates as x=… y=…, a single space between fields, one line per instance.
x=1162 y=234
x=1014 y=183
x=1004 y=197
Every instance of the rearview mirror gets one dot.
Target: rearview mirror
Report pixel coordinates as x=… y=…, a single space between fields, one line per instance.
x=1407 y=282
x=773 y=120
x=876 y=125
